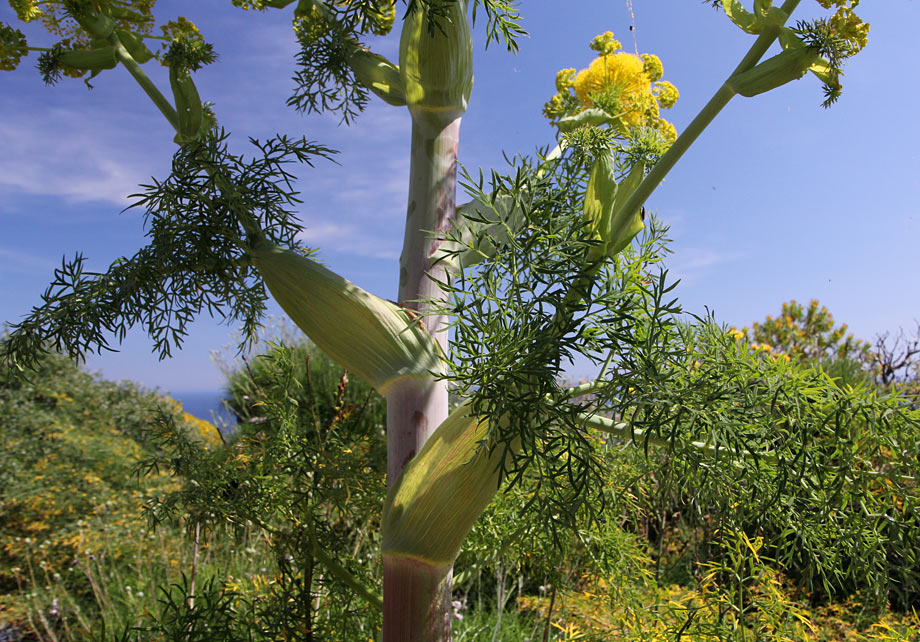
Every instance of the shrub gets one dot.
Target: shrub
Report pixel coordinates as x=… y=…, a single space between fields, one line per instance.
x=74 y=534
x=305 y=471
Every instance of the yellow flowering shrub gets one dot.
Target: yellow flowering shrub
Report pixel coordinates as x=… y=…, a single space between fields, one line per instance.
x=207 y=431
x=809 y=332
x=69 y=495
x=773 y=612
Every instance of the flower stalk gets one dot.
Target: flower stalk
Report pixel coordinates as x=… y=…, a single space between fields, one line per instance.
x=706 y=115
x=142 y=79
x=436 y=72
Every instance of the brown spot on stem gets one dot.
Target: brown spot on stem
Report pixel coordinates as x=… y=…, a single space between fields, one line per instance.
x=435 y=244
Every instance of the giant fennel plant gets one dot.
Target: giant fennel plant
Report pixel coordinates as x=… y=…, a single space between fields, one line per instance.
x=495 y=296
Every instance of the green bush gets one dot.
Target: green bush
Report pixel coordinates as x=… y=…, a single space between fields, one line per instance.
x=75 y=550
x=748 y=553
x=305 y=470
x=275 y=534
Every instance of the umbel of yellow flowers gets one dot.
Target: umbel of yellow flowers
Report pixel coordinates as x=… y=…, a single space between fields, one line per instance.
x=624 y=90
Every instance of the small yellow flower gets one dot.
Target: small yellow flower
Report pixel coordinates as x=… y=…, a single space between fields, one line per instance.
x=565 y=80
x=605 y=44
x=653 y=67
x=666 y=93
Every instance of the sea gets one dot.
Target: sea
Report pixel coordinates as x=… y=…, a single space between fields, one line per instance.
x=207 y=405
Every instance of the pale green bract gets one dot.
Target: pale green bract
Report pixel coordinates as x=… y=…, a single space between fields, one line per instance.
x=442 y=491
x=605 y=200
x=593 y=117
x=379 y=75
x=765 y=15
x=436 y=64
x=369 y=336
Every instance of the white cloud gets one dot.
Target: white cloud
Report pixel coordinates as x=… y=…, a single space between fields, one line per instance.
x=691 y=263
x=349 y=238
x=359 y=206
x=373 y=184
x=74 y=156
x=24 y=262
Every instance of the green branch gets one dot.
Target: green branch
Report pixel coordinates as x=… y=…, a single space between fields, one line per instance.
x=638 y=437
x=340 y=573
x=641 y=437
x=715 y=105
x=165 y=107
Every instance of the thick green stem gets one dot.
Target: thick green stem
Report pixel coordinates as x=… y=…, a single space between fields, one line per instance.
x=416 y=596
x=417 y=407
x=422 y=593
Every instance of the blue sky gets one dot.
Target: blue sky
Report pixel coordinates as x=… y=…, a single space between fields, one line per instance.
x=780 y=199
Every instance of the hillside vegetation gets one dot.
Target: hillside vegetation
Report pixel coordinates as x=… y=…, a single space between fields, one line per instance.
x=274 y=535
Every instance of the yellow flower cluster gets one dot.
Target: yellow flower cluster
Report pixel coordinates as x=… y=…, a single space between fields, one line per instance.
x=625 y=86
x=565 y=80
x=180 y=27
x=619 y=76
x=666 y=129
x=26 y=10
x=847 y=24
x=13 y=47
x=850 y=27
x=605 y=44
x=666 y=93
x=652 y=66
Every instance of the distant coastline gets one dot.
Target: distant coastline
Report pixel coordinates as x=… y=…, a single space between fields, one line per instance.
x=207 y=405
